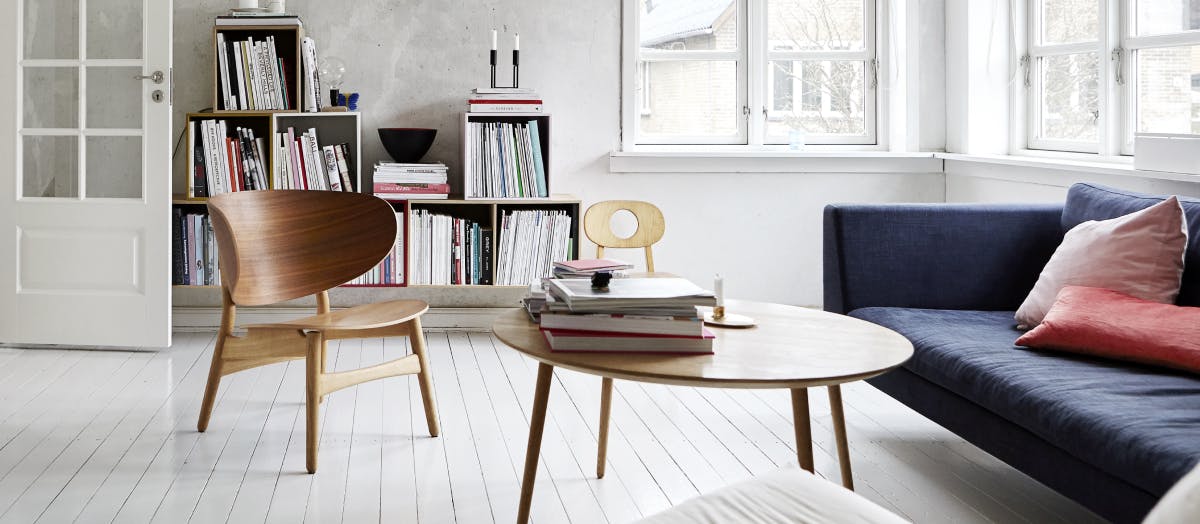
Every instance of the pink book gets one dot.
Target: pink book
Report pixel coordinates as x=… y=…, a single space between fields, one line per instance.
x=592 y=264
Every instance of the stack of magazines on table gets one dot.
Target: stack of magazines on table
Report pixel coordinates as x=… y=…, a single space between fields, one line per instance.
x=589 y=267
x=633 y=315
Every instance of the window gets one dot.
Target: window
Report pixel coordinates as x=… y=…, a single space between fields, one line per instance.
x=751 y=72
x=1088 y=91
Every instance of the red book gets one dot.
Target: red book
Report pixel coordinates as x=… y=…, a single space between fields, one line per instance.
x=382 y=187
x=504 y=101
x=609 y=342
x=233 y=176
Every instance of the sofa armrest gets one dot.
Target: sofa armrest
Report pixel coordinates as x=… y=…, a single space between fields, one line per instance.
x=936 y=256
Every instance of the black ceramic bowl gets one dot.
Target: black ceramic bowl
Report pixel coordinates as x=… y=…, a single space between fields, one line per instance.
x=406 y=145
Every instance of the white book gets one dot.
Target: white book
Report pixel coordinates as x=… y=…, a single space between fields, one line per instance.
x=270 y=65
x=317 y=160
x=191 y=161
x=223 y=68
x=260 y=149
x=331 y=169
x=312 y=85
x=246 y=100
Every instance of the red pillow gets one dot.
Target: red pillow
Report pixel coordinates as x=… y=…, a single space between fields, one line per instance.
x=1109 y=324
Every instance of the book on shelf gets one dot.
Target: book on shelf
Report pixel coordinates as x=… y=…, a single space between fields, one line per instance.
x=224 y=159
x=506 y=160
x=195 y=249
x=395 y=181
x=604 y=342
x=301 y=162
x=585 y=268
x=312 y=80
x=389 y=271
x=529 y=242
x=252 y=75
x=251 y=18
x=504 y=91
x=449 y=250
x=504 y=105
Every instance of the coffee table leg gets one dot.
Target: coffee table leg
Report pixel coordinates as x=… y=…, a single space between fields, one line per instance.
x=605 y=409
x=804 y=449
x=537 y=422
x=839 y=431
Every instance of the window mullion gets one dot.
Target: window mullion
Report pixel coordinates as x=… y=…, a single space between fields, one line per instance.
x=753 y=81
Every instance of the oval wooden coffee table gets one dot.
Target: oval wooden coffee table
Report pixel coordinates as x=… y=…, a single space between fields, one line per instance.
x=791 y=347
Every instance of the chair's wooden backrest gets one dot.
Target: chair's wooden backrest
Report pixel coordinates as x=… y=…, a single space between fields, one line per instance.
x=280 y=245
x=597 y=225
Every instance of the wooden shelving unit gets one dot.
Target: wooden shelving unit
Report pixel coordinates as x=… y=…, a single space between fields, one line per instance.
x=287 y=46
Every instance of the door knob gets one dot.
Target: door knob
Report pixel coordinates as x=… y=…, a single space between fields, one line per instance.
x=156 y=77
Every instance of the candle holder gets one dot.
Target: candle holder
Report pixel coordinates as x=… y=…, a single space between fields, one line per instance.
x=492 y=55
x=719 y=318
x=516 y=68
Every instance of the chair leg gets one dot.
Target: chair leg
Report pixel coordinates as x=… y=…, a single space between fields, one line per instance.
x=312 y=368
x=425 y=377
x=228 y=312
x=214 y=381
x=605 y=408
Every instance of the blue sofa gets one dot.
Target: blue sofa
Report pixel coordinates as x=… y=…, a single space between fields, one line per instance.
x=1113 y=436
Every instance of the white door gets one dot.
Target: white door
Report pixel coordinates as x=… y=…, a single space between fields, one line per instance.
x=85 y=173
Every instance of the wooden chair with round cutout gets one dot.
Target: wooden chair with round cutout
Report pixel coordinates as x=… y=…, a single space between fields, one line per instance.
x=276 y=246
x=597 y=225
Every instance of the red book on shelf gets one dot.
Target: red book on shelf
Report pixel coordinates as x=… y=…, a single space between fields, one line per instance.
x=383 y=187
x=611 y=342
x=531 y=102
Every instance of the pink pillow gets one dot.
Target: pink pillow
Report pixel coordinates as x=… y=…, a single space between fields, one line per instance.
x=1105 y=323
x=1139 y=254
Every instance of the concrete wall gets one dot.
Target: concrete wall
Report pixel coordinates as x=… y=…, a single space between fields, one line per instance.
x=414 y=61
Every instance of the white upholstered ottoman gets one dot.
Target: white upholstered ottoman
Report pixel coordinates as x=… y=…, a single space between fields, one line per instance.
x=784 y=496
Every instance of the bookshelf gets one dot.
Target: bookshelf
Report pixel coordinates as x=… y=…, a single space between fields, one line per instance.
x=469 y=144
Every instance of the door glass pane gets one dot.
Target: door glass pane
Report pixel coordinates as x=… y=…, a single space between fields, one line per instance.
x=692 y=98
x=1156 y=17
x=1068 y=21
x=114 y=97
x=114 y=166
x=51 y=166
x=51 y=97
x=687 y=24
x=802 y=25
x=114 y=28
x=1070 y=97
x=826 y=97
x=51 y=28
x=1168 y=90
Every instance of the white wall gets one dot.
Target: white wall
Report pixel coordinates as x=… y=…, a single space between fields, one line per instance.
x=413 y=61
x=983 y=182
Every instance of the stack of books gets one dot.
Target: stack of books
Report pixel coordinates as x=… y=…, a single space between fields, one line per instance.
x=396 y=181
x=507 y=159
x=303 y=163
x=390 y=271
x=639 y=315
x=252 y=74
x=504 y=100
x=195 y=250
x=585 y=268
x=449 y=250
x=223 y=161
x=530 y=240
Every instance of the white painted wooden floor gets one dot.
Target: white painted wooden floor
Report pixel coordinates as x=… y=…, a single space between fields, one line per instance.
x=105 y=436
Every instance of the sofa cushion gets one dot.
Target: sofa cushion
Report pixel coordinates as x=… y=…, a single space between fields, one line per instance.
x=1093 y=202
x=1139 y=254
x=1136 y=423
x=1110 y=324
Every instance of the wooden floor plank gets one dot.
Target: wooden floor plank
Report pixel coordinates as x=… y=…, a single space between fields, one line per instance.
x=110 y=437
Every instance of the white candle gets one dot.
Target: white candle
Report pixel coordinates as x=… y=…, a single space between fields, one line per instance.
x=517 y=42
x=719 y=290
x=494 y=40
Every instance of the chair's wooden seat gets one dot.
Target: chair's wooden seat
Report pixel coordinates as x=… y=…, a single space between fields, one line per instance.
x=367 y=316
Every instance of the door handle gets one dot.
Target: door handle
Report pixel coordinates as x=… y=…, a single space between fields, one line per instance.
x=156 y=77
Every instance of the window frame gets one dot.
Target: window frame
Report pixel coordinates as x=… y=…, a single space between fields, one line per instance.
x=753 y=86
x=1117 y=47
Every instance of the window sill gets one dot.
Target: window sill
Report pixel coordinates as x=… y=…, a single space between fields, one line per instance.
x=772 y=161
x=1119 y=167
